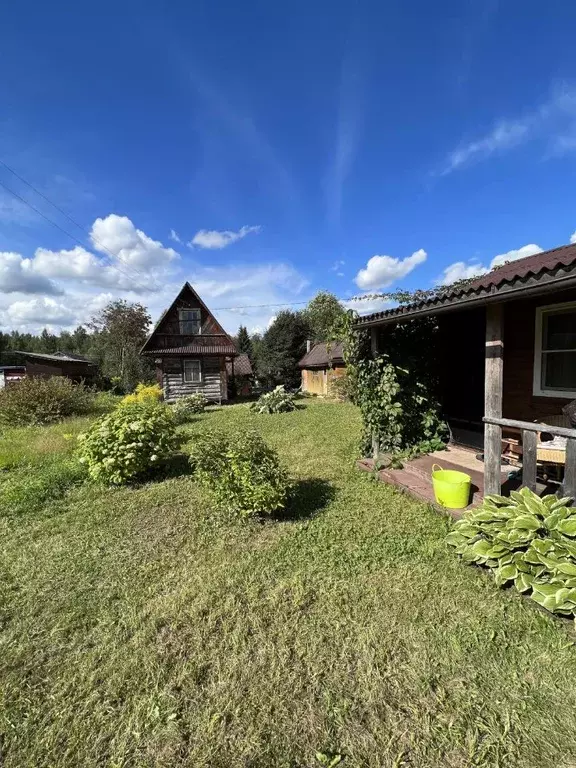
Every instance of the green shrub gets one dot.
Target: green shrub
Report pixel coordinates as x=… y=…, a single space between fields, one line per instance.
x=240 y=471
x=125 y=444
x=41 y=401
x=186 y=407
x=526 y=540
x=276 y=401
x=143 y=393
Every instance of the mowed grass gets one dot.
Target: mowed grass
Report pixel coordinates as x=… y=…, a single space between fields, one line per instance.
x=139 y=628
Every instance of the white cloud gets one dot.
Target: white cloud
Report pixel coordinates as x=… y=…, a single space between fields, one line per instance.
x=118 y=235
x=461 y=270
x=84 y=267
x=174 y=236
x=38 y=312
x=573 y=238
x=553 y=122
x=382 y=271
x=17 y=276
x=337 y=267
x=365 y=305
x=215 y=240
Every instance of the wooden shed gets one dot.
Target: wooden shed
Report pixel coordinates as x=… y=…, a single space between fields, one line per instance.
x=9 y=374
x=321 y=364
x=75 y=367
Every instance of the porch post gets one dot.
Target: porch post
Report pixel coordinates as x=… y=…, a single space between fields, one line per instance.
x=494 y=370
x=374 y=349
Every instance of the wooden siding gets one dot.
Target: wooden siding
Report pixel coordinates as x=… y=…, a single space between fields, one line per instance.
x=69 y=369
x=316 y=381
x=213 y=383
x=519 y=339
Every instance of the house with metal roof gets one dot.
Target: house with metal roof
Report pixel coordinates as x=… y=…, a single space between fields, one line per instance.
x=75 y=367
x=320 y=366
x=190 y=349
x=507 y=358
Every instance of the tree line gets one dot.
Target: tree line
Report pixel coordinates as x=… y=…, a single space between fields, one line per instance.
x=114 y=336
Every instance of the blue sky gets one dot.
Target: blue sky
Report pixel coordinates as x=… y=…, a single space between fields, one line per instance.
x=265 y=151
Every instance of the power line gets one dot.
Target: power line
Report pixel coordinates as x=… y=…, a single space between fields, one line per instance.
x=68 y=234
x=70 y=219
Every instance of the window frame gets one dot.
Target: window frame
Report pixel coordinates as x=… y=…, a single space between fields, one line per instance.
x=192 y=381
x=181 y=322
x=537 y=388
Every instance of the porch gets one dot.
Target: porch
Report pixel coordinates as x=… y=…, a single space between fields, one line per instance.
x=506 y=358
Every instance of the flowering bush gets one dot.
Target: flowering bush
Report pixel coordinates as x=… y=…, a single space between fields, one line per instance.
x=143 y=393
x=41 y=401
x=186 y=407
x=240 y=471
x=123 y=445
x=277 y=401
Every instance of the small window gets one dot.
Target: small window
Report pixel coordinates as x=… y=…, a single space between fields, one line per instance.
x=192 y=371
x=189 y=321
x=555 y=363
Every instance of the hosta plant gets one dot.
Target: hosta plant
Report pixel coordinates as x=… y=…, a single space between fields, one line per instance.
x=124 y=445
x=276 y=401
x=527 y=541
x=242 y=473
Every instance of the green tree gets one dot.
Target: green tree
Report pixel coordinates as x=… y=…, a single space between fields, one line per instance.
x=120 y=331
x=323 y=314
x=243 y=341
x=282 y=346
x=48 y=342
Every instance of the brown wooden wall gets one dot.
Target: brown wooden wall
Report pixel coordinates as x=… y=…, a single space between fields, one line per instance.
x=70 y=370
x=519 y=339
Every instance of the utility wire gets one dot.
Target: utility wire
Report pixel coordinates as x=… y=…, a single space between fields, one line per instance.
x=68 y=234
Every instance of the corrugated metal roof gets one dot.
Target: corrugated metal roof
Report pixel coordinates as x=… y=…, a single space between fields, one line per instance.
x=58 y=357
x=195 y=349
x=242 y=366
x=523 y=271
x=323 y=355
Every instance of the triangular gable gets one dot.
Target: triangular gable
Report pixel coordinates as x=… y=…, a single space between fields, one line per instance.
x=217 y=329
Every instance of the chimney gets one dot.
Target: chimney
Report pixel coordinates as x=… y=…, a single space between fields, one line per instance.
x=308 y=345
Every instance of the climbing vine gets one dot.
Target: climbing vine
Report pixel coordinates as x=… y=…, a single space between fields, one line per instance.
x=396 y=391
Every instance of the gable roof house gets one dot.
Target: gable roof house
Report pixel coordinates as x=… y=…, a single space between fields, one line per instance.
x=507 y=359
x=321 y=364
x=190 y=349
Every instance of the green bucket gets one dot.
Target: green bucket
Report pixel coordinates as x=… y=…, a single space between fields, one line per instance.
x=451 y=488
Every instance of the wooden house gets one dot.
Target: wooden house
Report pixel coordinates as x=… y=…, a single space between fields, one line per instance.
x=321 y=365
x=75 y=367
x=190 y=349
x=507 y=359
x=9 y=374
x=240 y=371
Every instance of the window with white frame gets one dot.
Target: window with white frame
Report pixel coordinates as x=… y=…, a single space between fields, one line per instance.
x=189 y=321
x=555 y=353
x=192 y=371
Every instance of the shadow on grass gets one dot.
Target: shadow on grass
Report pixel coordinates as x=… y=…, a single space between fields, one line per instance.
x=308 y=497
x=177 y=465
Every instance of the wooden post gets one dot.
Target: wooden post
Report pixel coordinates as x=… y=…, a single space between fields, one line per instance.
x=529 y=453
x=570 y=469
x=493 y=385
x=374 y=349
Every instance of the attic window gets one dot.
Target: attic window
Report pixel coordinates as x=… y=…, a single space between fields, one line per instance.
x=189 y=321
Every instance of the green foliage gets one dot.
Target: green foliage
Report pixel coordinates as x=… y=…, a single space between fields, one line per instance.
x=282 y=347
x=186 y=407
x=26 y=489
x=243 y=341
x=323 y=314
x=143 y=393
x=124 y=445
x=396 y=391
x=41 y=401
x=242 y=474
x=276 y=401
x=526 y=540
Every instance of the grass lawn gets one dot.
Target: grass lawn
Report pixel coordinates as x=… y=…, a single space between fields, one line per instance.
x=138 y=628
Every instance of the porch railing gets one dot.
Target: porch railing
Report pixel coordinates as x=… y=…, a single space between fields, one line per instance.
x=530 y=430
